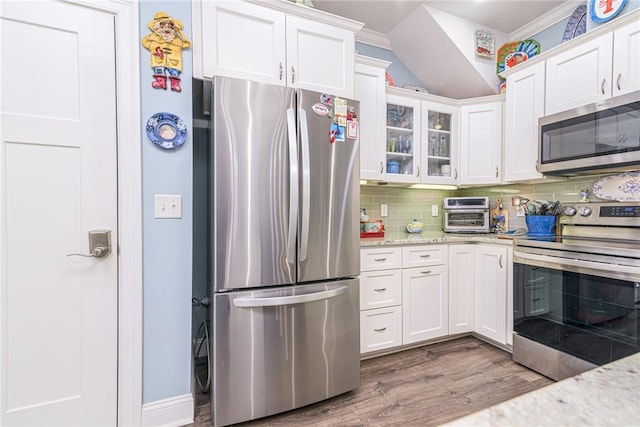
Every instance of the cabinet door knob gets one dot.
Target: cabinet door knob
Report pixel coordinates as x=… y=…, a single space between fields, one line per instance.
x=602 y=85
x=381 y=167
x=497 y=171
x=418 y=169
x=618 y=81
x=455 y=173
x=500 y=261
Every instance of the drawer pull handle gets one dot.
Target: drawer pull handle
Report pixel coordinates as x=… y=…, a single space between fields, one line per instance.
x=426 y=272
x=425 y=256
x=380 y=329
x=380 y=259
x=380 y=289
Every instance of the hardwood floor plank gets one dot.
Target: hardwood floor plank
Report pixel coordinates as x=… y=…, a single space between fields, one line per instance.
x=425 y=386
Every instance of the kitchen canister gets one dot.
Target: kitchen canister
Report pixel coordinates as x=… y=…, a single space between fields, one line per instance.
x=541 y=225
x=393 y=167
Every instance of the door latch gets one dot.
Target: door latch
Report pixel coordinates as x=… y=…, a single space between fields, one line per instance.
x=99 y=244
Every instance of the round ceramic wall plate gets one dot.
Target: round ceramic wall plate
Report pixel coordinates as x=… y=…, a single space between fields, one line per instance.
x=166 y=130
x=624 y=187
x=603 y=10
x=577 y=23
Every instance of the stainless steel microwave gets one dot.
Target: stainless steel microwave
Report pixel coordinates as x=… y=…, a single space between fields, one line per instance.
x=600 y=137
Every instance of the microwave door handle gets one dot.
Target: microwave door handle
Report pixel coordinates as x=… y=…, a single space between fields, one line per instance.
x=306 y=185
x=294 y=299
x=293 y=186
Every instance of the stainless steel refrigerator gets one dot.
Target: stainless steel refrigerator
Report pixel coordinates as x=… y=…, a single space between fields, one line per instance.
x=285 y=248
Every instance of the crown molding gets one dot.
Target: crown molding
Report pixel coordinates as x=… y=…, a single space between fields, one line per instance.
x=545 y=21
x=373 y=38
x=374 y=62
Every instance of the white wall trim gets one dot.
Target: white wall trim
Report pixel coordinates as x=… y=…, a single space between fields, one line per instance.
x=172 y=412
x=129 y=250
x=545 y=21
x=373 y=38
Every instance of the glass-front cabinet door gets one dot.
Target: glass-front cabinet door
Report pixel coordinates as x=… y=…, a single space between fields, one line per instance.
x=439 y=143
x=403 y=139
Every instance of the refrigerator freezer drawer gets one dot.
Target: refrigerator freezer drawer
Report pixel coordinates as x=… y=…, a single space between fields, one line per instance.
x=282 y=348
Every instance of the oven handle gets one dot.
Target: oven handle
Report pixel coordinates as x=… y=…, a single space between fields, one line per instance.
x=622 y=272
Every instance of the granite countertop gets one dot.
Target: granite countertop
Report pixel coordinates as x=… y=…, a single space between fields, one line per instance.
x=398 y=239
x=605 y=396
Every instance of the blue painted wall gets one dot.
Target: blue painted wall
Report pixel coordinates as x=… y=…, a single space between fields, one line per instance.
x=166 y=365
x=398 y=71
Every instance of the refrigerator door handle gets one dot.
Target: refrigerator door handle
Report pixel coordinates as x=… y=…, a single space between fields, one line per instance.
x=306 y=185
x=293 y=186
x=295 y=299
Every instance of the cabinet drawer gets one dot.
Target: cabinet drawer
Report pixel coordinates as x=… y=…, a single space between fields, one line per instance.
x=419 y=256
x=380 y=289
x=372 y=259
x=380 y=328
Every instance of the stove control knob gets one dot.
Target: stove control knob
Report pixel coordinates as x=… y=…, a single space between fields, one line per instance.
x=584 y=211
x=569 y=211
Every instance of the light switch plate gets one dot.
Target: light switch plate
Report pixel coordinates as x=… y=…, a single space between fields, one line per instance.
x=384 y=209
x=434 y=210
x=167 y=206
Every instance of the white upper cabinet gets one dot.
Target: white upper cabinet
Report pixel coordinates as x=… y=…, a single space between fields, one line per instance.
x=592 y=71
x=274 y=45
x=523 y=107
x=402 y=139
x=579 y=76
x=439 y=143
x=481 y=143
x=626 y=59
x=370 y=91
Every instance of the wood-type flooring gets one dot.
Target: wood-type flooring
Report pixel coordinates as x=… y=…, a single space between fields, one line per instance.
x=425 y=386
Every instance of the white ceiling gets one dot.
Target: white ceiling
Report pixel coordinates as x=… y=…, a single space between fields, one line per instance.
x=383 y=15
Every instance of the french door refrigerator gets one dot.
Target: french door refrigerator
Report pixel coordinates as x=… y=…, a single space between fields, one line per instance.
x=285 y=222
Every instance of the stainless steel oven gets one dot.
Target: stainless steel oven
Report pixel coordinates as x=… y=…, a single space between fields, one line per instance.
x=577 y=296
x=466 y=214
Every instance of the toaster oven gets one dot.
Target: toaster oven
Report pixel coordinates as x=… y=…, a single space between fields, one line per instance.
x=466 y=215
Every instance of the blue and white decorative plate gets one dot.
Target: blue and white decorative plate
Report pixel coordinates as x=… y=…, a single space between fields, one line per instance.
x=166 y=130
x=624 y=187
x=577 y=23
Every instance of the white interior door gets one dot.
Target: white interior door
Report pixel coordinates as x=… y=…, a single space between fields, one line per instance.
x=58 y=175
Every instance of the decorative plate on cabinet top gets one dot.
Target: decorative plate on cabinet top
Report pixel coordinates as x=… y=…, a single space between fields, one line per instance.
x=577 y=23
x=624 y=187
x=513 y=53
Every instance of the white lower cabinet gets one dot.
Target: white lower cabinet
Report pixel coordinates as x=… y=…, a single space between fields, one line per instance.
x=491 y=279
x=380 y=328
x=461 y=288
x=425 y=302
x=380 y=298
x=417 y=293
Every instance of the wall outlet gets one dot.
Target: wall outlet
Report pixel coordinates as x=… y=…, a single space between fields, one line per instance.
x=434 y=210
x=384 y=209
x=167 y=206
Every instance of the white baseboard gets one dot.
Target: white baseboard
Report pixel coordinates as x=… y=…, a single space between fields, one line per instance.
x=172 y=412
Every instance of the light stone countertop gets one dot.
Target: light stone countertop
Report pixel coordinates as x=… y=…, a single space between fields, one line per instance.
x=605 y=396
x=424 y=238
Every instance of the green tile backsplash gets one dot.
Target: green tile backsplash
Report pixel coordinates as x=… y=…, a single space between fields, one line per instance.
x=406 y=203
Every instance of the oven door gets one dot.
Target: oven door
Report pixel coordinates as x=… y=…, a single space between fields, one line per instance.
x=466 y=221
x=585 y=308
